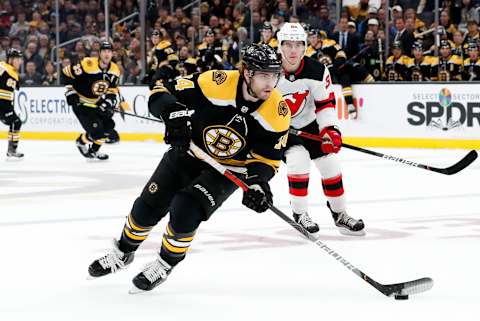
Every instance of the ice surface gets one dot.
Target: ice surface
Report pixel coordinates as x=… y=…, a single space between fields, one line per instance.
x=59 y=212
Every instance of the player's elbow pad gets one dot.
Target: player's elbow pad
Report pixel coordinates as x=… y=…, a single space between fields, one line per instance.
x=159 y=102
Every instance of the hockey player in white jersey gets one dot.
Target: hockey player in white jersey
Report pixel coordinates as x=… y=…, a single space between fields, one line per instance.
x=307 y=89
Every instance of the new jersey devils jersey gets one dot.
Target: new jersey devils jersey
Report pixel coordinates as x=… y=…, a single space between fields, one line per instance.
x=309 y=94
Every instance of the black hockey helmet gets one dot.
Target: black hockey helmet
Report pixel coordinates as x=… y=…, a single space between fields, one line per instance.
x=266 y=26
x=209 y=32
x=256 y=57
x=417 y=45
x=445 y=44
x=13 y=53
x=106 y=45
x=397 y=45
x=472 y=46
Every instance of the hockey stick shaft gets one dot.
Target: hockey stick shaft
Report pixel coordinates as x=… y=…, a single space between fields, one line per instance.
x=415 y=286
x=457 y=167
x=138 y=116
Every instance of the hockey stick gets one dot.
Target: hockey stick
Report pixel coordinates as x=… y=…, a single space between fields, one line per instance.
x=138 y=116
x=455 y=168
x=397 y=290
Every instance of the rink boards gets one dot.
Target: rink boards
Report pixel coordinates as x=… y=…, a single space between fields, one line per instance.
x=390 y=115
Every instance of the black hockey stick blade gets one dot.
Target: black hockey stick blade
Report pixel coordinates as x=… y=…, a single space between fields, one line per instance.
x=398 y=289
x=460 y=165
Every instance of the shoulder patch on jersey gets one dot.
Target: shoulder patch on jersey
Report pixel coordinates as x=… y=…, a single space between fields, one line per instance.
x=9 y=69
x=90 y=65
x=273 y=114
x=223 y=93
x=283 y=108
x=219 y=76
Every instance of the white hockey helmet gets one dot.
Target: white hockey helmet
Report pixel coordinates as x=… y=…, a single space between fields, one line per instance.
x=293 y=32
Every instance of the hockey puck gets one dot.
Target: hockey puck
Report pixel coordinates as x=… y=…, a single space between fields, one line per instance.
x=401 y=297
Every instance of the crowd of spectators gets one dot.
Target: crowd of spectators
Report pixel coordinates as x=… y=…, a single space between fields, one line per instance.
x=29 y=25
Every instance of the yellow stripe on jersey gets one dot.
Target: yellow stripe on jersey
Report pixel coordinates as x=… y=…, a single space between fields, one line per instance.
x=219 y=86
x=273 y=114
x=68 y=72
x=133 y=236
x=310 y=51
x=6 y=94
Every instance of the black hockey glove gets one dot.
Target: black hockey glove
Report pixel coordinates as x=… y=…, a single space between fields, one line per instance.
x=178 y=130
x=107 y=104
x=72 y=98
x=258 y=197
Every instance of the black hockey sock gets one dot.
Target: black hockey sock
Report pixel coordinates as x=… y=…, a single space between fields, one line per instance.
x=133 y=235
x=347 y=94
x=13 y=138
x=175 y=245
x=95 y=146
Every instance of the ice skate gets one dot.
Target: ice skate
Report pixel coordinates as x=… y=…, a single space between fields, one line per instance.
x=307 y=223
x=347 y=225
x=154 y=274
x=112 y=262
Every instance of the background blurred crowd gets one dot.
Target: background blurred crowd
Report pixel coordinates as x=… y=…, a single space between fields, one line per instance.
x=360 y=32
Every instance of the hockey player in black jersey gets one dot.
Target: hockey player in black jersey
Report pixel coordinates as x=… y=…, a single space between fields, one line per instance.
x=9 y=82
x=308 y=91
x=92 y=93
x=238 y=118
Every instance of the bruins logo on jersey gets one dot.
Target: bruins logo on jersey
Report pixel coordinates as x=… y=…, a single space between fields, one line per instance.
x=219 y=77
x=282 y=108
x=222 y=141
x=100 y=87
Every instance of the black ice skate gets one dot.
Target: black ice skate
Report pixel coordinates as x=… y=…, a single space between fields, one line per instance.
x=346 y=224
x=307 y=223
x=96 y=155
x=112 y=262
x=12 y=153
x=82 y=147
x=154 y=274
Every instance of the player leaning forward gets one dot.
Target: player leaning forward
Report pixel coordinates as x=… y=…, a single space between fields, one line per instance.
x=9 y=82
x=307 y=89
x=92 y=92
x=241 y=120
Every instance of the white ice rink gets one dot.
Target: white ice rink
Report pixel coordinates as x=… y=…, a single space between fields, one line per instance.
x=59 y=212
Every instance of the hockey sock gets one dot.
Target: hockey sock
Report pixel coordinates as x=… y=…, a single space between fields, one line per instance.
x=84 y=138
x=347 y=94
x=96 y=145
x=175 y=245
x=332 y=181
x=133 y=235
x=298 y=188
x=13 y=138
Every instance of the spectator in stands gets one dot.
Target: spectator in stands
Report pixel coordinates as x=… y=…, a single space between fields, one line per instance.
x=324 y=22
x=468 y=12
x=403 y=36
x=472 y=32
x=49 y=78
x=447 y=24
x=31 y=76
x=31 y=54
x=20 y=28
x=348 y=41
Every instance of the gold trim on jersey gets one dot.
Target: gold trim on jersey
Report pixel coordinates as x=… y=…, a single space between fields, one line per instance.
x=272 y=115
x=222 y=94
x=9 y=69
x=6 y=95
